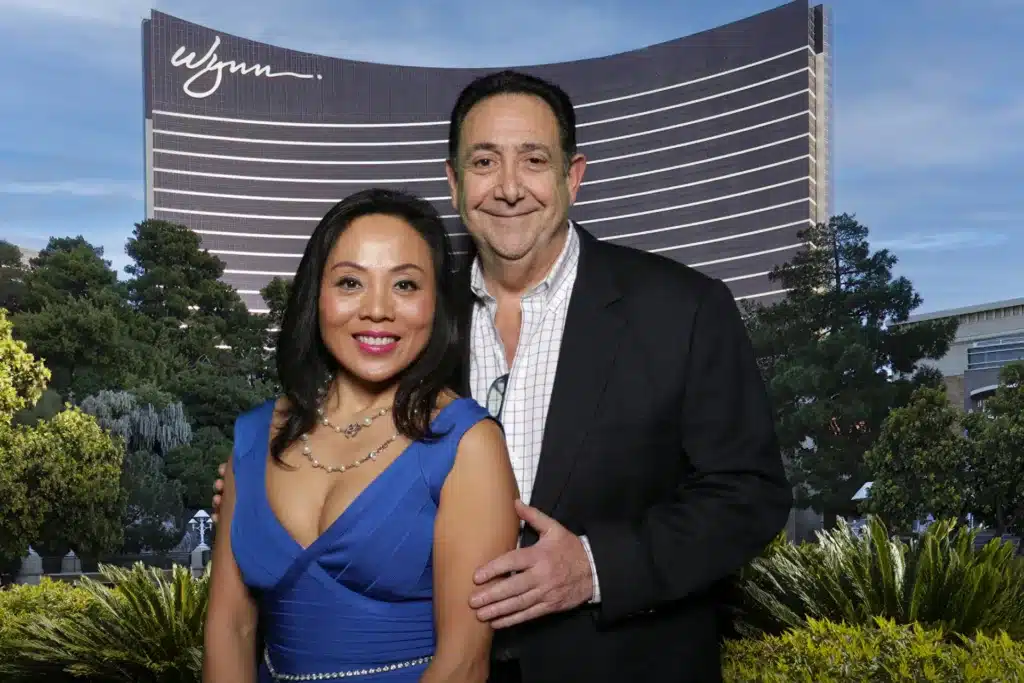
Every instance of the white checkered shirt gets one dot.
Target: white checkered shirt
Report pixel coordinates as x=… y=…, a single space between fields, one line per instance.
x=532 y=377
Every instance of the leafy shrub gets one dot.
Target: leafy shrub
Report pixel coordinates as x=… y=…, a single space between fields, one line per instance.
x=49 y=597
x=937 y=580
x=146 y=628
x=825 y=652
x=21 y=604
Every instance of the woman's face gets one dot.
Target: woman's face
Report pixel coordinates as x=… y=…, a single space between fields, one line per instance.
x=377 y=298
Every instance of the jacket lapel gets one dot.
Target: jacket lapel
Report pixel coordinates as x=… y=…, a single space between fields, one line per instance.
x=589 y=344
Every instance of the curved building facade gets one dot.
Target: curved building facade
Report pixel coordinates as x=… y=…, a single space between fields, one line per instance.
x=712 y=149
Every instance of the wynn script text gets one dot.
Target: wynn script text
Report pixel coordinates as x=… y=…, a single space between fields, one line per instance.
x=213 y=67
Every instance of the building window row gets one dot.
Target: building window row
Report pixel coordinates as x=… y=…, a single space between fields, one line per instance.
x=995 y=353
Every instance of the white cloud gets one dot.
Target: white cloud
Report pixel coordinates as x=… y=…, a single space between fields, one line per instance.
x=929 y=122
x=943 y=241
x=111 y=13
x=23 y=237
x=75 y=188
x=467 y=33
x=997 y=216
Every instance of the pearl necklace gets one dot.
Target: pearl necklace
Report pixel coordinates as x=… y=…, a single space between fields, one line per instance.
x=331 y=469
x=350 y=430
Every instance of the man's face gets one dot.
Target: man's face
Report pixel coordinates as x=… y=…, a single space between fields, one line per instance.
x=513 y=185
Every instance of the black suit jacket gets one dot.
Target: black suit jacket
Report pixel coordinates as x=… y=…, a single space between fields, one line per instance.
x=660 y=446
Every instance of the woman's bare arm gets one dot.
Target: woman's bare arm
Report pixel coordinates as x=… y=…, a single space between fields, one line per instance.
x=230 y=637
x=476 y=522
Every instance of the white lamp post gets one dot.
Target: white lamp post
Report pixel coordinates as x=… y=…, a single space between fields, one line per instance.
x=201 y=523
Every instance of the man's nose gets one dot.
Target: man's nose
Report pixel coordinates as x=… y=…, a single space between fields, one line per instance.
x=510 y=186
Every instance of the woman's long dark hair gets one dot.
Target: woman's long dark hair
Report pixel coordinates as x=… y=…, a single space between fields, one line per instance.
x=304 y=362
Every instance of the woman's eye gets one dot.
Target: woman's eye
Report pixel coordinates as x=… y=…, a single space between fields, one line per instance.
x=348 y=283
x=407 y=286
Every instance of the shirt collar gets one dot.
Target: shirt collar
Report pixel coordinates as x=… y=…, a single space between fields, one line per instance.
x=564 y=266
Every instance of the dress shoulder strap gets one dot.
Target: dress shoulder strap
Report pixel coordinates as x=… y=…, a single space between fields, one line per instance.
x=252 y=430
x=454 y=420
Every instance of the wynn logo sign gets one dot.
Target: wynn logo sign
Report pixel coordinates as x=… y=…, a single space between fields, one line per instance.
x=212 y=68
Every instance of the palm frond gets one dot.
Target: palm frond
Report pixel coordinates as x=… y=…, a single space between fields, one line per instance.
x=145 y=628
x=940 y=580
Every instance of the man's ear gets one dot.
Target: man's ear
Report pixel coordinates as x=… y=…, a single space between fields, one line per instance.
x=453 y=182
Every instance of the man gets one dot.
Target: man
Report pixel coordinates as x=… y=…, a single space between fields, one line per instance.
x=636 y=417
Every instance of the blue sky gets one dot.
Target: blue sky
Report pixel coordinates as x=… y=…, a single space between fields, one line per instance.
x=929 y=106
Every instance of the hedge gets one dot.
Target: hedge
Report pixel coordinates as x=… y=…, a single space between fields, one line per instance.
x=148 y=629
x=826 y=652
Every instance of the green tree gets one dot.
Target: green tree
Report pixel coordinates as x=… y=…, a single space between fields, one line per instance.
x=70 y=268
x=920 y=461
x=71 y=471
x=142 y=426
x=191 y=465
x=178 y=282
x=48 y=405
x=173 y=276
x=12 y=277
x=275 y=293
x=214 y=395
x=22 y=377
x=836 y=358
x=10 y=254
x=58 y=477
x=88 y=345
x=153 y=512
x=75 y=317
x=214 y=344
x=997 y=468
x=154 y=509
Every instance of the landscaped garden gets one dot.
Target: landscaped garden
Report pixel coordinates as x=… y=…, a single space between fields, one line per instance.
x=848 y=607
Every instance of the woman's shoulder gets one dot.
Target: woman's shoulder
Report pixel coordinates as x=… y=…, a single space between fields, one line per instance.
x=449 y=402
x=444 y=399
x=458 y=420
x=253 y=425
x=454 y=415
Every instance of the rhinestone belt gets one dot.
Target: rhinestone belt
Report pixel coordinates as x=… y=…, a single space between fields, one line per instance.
x=384 y=668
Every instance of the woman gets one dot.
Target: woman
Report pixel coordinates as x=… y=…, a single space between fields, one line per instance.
x=357 y=506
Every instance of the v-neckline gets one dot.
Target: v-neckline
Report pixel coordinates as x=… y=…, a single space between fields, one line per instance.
x=357 y=500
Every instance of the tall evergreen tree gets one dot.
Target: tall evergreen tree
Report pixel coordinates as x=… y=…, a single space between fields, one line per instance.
x=275 y=293
x=70 y=269
x=216 y=346
x=74 y=315
x=837 y=360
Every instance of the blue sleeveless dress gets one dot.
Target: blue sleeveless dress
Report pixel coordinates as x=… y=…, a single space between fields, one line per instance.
x=357 y=604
